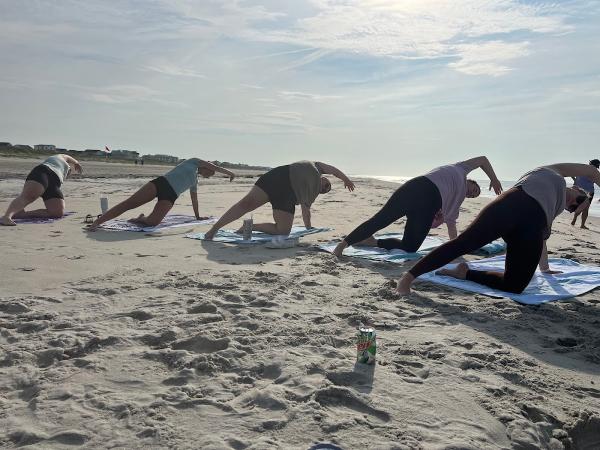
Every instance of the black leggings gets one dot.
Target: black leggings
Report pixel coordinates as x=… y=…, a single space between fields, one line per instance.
x=519 y=220
x=417 y=199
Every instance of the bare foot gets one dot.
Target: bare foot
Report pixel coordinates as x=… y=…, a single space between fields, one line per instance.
x=573 y=222
x=368 y=242
x=584 y=227
x=138 y=219
x=339 y=249
x=404 y=284
x=460 y=271
x=7 y=222
x=240 y=230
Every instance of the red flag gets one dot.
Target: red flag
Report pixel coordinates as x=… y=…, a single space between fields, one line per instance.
x=106 y=149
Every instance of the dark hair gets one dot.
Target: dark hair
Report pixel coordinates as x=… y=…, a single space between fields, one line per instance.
x=595 y=163
x=578 y=201
x=475 y=183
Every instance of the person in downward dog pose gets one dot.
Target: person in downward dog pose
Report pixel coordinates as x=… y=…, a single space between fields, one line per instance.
x=523 y=217
x=427 y=202
x=43 y=181
x=166 y=189
x=284 y=187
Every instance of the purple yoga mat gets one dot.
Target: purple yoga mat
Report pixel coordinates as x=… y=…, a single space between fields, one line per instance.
x=43 y=220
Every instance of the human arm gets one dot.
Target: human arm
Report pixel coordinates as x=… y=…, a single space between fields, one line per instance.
x=194 y=197
x=306 y=216
x=573 y=170
x=481 y=162
x=215 y=168
x=438 y=219
x=72 y=162
x=543 y=264
x=331 y=170
x=452 y=232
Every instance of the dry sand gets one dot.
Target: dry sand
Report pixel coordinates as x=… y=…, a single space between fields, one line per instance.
x=120 y=340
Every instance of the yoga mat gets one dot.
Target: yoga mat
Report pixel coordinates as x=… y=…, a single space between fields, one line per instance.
x=43 y=219
x=258 y=238
x=170 y=221
x=576 y=279
x=381 y=254
x=491 y=249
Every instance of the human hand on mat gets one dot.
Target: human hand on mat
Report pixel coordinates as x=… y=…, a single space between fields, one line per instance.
x=551 y=272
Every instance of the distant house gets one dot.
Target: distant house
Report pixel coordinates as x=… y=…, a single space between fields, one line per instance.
x=5 y=144
x=168 y=159
x=23 y=147
x=44 y=148
x=124 y=154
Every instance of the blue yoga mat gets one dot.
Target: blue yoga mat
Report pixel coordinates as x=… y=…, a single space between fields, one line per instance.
x=258 y=238
x=381 y=254
x=576 y=279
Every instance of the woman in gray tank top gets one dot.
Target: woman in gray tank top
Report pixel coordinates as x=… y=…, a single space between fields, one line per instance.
x=43 y=181
x=166 y=189
x=523 y=217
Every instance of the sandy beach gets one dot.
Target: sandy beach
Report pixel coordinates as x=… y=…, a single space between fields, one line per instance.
x=122 y=340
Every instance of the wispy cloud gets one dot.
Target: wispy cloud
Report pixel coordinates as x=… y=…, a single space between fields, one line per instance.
x=174 y=70
x=294 y=95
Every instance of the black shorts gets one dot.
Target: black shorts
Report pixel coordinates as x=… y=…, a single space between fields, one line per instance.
x=164 y=191
x=47 y=178
x=276 y=184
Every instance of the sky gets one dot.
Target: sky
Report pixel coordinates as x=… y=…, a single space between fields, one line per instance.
x=372 y=86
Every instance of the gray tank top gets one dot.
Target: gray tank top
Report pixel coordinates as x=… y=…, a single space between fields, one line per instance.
x=548 y=188
x=57 y=165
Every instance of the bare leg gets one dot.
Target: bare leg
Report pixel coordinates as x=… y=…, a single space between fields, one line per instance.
x=159 y=212
x=145 y=194
x=55 y=209
x=283 y=223
x=32 y=190
x=584 y=216
x=252 y=200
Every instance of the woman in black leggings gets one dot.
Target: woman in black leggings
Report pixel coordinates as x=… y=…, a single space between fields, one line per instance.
x=523 y=217
x=426 y=201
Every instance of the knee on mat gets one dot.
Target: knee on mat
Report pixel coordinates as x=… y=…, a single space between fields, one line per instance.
x=56 y=214
x=284 y=230
x=411 y=248
x=516 y=288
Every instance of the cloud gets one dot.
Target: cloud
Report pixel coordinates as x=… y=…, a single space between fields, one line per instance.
x=123 y=94
x=174 y=70
x=488 y=58
x=294 y=95
x=411 y=29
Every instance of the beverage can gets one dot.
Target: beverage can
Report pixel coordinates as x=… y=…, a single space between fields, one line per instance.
x=366 y=345
x=247 y=228
x=104 y=204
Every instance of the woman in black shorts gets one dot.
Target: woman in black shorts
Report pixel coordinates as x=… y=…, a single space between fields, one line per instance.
x=166 y=189
x=523 y=217
x=43 y=181
x=284 y=187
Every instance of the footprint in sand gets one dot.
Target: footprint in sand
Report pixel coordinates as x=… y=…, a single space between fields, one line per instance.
x=341 y=397
x=201 y=344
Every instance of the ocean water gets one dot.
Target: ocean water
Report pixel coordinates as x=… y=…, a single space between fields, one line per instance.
x=484 y=183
